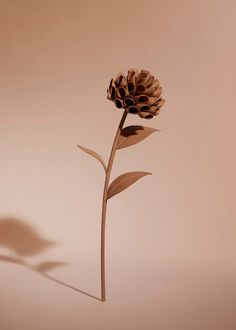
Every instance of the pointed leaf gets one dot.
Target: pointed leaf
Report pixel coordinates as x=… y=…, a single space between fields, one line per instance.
x=133 y=134
x=49 y=265
x=124 y=181
x=94 y=154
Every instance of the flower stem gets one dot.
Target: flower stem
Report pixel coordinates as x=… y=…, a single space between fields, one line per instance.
x=104 y=204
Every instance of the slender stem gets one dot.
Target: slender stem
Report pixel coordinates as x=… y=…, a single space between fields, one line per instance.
x=104 y=204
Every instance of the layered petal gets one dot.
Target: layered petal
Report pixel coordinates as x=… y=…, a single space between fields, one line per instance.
x=138 y=93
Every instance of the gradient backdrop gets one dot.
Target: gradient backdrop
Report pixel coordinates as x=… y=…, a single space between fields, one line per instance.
x=171 y=236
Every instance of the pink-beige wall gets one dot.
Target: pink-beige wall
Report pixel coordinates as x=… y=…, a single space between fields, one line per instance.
x=171 y=236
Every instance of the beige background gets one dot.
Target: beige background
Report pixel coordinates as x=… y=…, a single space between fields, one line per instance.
x=171 y=236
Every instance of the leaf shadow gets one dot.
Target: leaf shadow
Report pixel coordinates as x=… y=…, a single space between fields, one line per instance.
x=24 y=241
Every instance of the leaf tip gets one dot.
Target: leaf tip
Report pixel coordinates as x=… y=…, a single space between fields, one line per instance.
x=80 y=147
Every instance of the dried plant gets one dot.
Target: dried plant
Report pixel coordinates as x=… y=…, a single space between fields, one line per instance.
x=137 y=93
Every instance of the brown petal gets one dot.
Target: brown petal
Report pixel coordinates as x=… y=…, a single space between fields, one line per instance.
x=120 y=80
x=149 y=116
x=140 y=88
x=111 y=82
x=156 y=83
x=159 y=102
x=156 y=113
x=145 y=71
x=143 y=107
x=151 y=100
x=111 y=91
x=118 y=103
x=123 y=82
x=122 y=92
x=141 y=98
x=129 y=101
x=109 y=95
x=145 y=115
x=131 y=87
x=157 y=92
x=154 y=110
x=150 y=91
x=132 y=80
x=132 y=75
x=149 y=82
x=143 y=76
x=133 y=109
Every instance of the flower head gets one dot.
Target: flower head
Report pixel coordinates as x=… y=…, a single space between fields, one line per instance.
x=138 y=93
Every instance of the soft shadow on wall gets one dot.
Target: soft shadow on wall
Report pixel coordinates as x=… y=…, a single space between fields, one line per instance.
x=24 y=241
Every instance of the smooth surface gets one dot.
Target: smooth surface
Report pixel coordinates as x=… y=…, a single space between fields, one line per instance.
x=171 y=236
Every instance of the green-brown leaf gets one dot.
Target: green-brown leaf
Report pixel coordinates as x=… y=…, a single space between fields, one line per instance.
x=133 y=134
x=124 y=181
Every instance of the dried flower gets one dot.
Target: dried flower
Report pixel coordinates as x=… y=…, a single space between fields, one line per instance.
x=138 y=93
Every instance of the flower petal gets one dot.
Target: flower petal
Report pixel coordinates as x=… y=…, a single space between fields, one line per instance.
x=132 y=75
x=143 y=76
x=145 y=115
x=129 y=101
x=133 y=109
x=143 y=107
x=141 y=98
x=122 y=92
x=157 y=92
x=150 y=91
x=159 y=102
x=149 y=82
x=120 y=80
x=109 y=95
x=156 y=83
x=151 y=100
x=140 y=88
x=118 y=103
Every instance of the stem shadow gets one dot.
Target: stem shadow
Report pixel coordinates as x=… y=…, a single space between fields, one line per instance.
x=24 y=241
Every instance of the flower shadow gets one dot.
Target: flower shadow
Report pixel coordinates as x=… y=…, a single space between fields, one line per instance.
x=24 y=241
